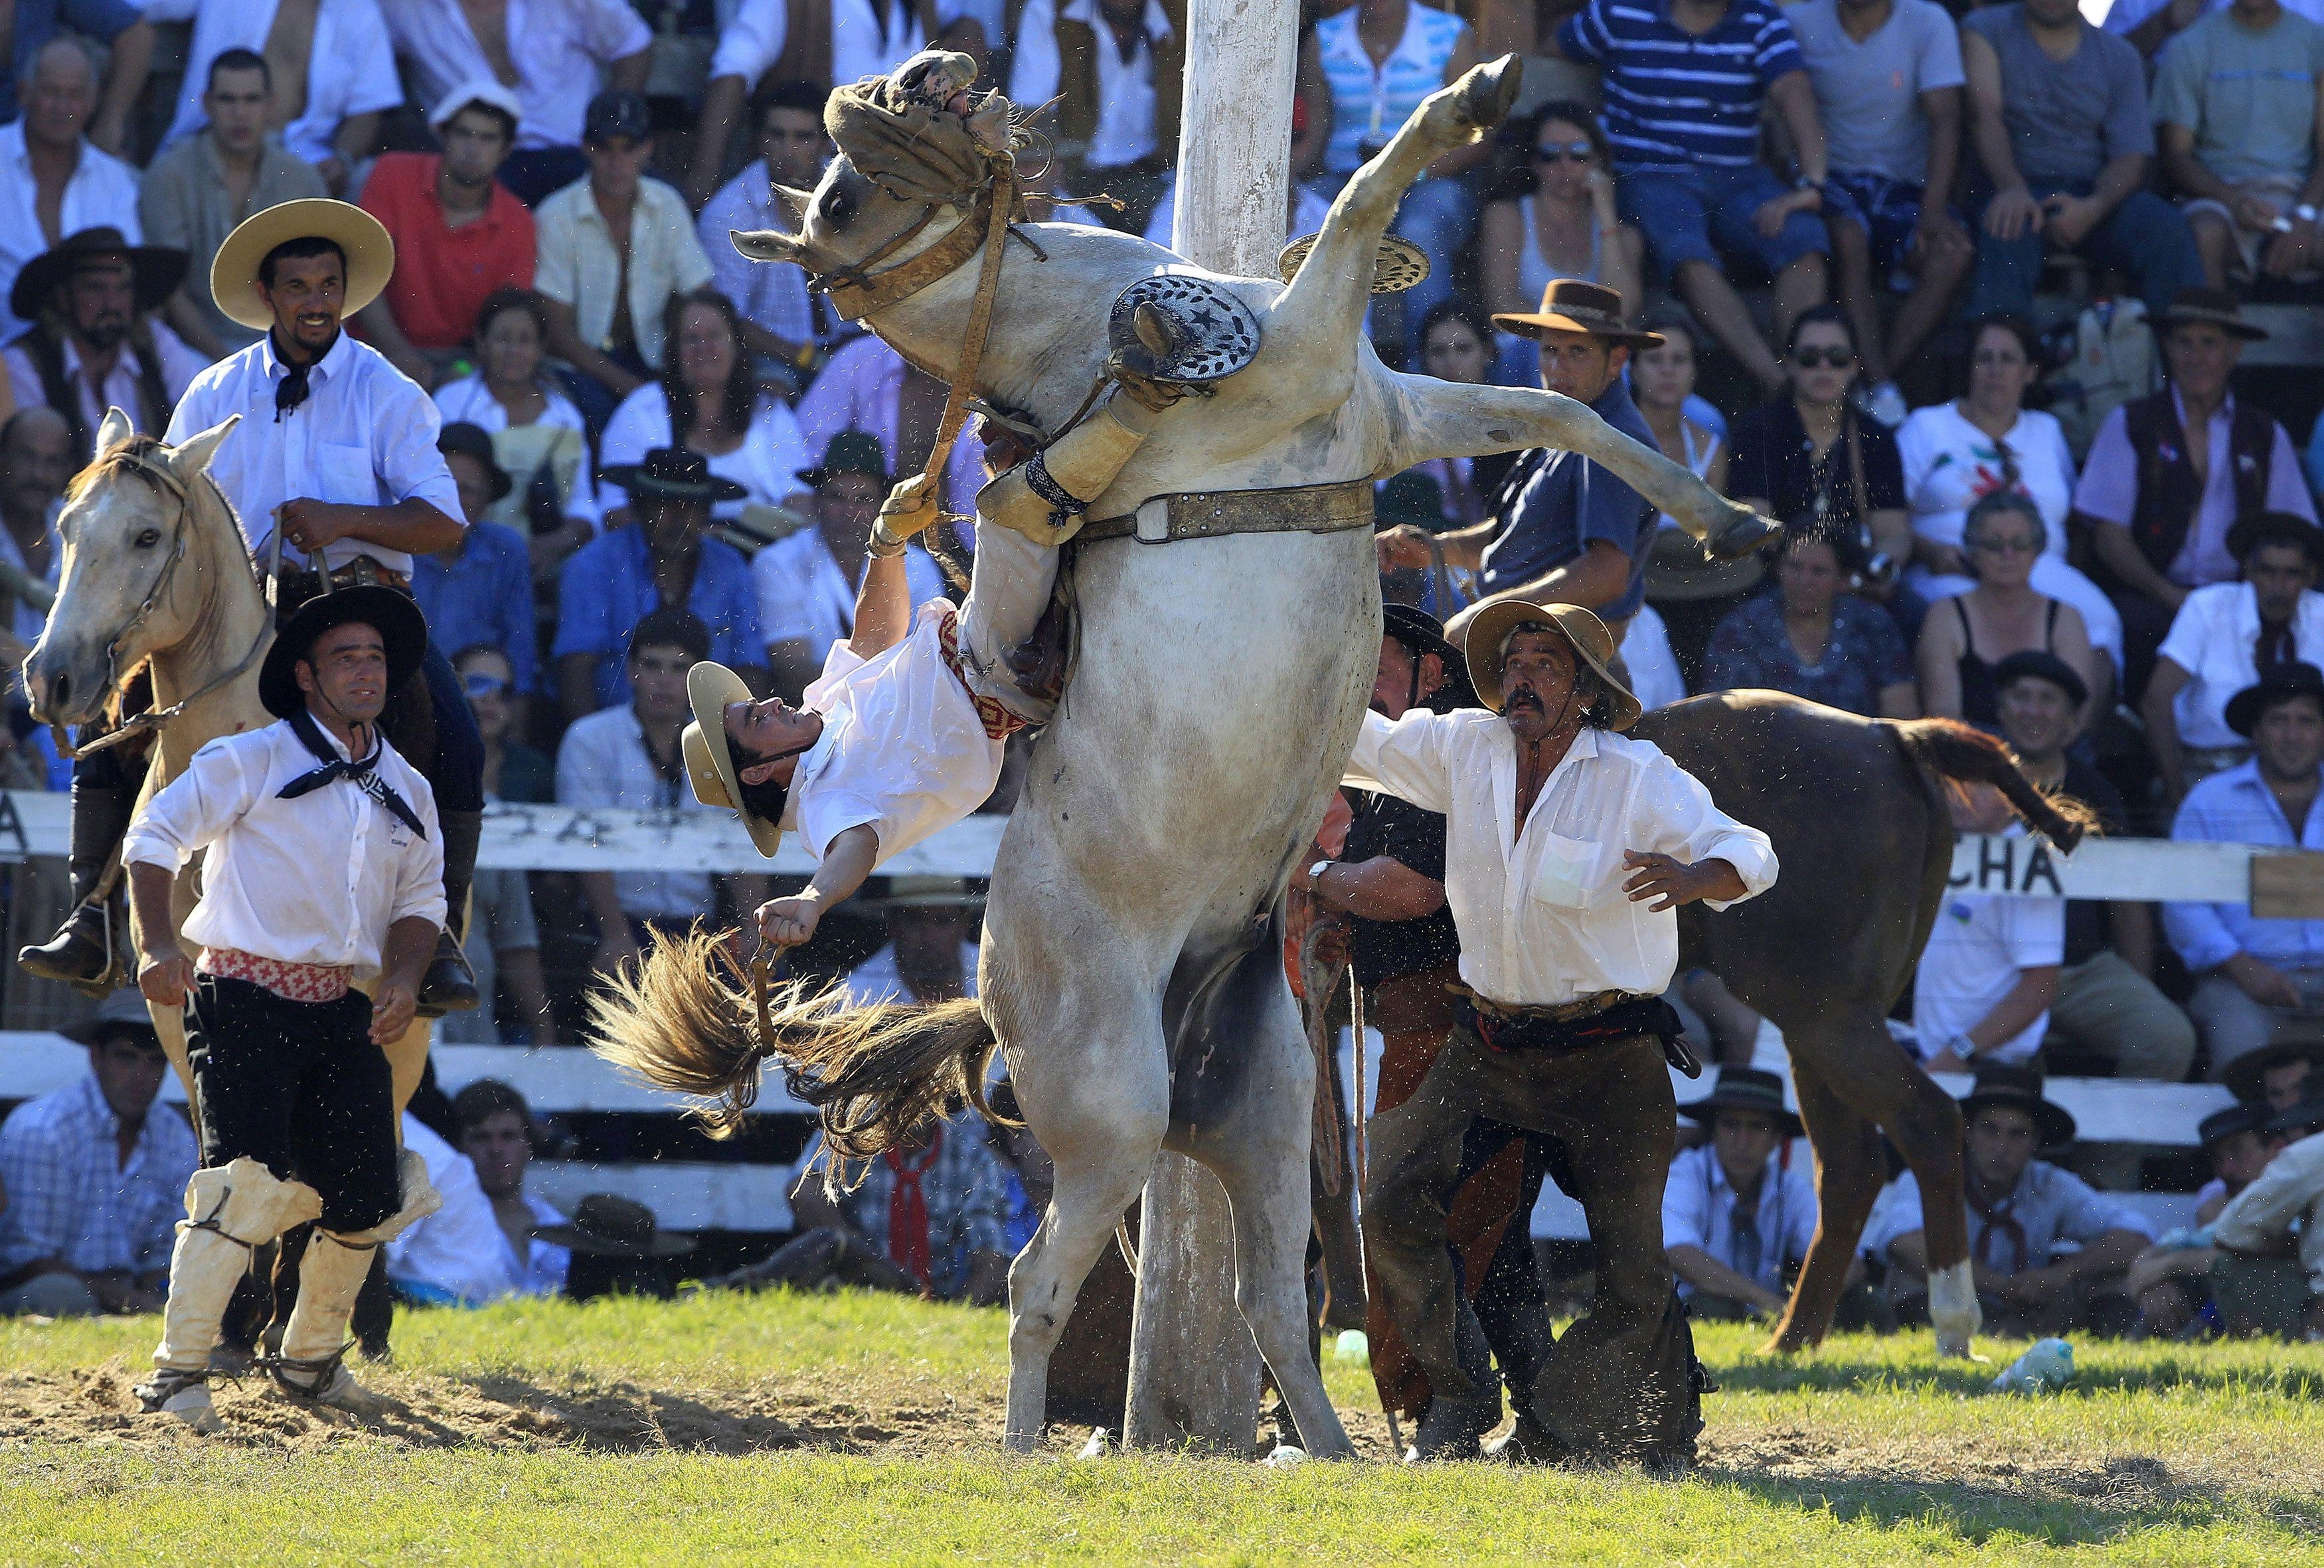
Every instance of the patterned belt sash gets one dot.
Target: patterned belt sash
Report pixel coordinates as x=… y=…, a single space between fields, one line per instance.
x=317 y=983
x=999 y=722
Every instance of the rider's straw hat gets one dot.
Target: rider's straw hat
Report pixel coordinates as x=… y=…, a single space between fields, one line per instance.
x=1592 y=644
x=363 y=238
x=710 y=755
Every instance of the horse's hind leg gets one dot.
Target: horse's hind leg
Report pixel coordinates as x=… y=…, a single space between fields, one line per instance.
x=1848 y=1169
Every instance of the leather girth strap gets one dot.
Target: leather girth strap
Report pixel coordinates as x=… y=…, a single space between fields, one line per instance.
x=1297 y=509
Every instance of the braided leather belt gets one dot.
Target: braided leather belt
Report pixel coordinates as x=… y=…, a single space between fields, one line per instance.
x=1210 y=514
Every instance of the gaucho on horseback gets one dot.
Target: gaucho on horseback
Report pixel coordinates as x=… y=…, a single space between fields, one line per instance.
x=332 y=452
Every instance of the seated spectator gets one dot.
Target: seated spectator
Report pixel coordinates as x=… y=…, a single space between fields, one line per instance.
x=2277 y=1076
x=1814 y=638
x=496 y=1134
x=553 y=61
x=1809 y=459
x=2048 y=1251
x=454 y=1256
x=806 y=581
x=2221 y=638
x=617 y=1249
x=1689 y=590
x=538 y=434
x=611 y=584
x=931 y=950
x=867 y=386
x=1958 y=451
x=52 y=181
x=36 y=462
x=1887 y=79
x=1564 y=224
x=2235 y=1141
x=2105 y=1003
x=513 y=771
x=2235 y=108
x=460 y=235
x=1456 y=345
x=1685 y=91
x=338 y=74
x=479 y=593
x=96 y=1178
x=708 y=399
x=1379 y=59
x=2058 y=115
x=629 y=756
x=614 y=248
x=1989 y=975
x=1115 y=66
x=94 y=343
x=1737 y=1215
x=2260 y=983
x=504 y=939
x=2269 y=1277
x=1306 y=211
x=2158 y=517
x=2170 y=1281
x=1965 y=636
x=951 y=1246
x=120 y=26
x=198 y=189
x=788 y=329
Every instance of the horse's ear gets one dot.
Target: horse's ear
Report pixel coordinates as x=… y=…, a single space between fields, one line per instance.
x=193 y=455
x=797 y=201
x=115 y=430
x=767 y=245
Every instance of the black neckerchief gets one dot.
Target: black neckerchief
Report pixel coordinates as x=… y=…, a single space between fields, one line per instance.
x=291 y=392
x=356 y=772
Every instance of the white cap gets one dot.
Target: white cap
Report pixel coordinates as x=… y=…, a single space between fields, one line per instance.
x=483 y=90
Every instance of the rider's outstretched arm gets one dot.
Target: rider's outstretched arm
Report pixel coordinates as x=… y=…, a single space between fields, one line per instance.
x=883 y=607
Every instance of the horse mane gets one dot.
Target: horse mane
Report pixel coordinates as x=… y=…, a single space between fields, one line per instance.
x=122 y=456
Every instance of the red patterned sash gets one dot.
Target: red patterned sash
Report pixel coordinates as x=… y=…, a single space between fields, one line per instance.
x=999 y=722
x=290 y=982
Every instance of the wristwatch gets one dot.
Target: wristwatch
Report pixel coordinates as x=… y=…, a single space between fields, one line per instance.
x=2305 y=212
x=1315 y=872
x=1962 y=1045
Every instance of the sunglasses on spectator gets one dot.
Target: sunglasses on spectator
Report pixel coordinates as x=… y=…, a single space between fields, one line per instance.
x=1563 y=151
x=2019 y=545
x=478 y=684
x=1809 y=358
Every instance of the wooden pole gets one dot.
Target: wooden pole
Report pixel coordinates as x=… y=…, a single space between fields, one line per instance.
x=1194 y=1369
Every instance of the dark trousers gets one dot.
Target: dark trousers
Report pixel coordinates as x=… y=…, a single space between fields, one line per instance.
x=299 y=1087
x=2144 y=237
x=1621 y=1383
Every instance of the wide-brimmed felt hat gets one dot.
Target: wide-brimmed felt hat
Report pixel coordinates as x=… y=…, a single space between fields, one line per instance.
x=608 y=1226
x=709 y=751
x=1591 y=642
x=2277 y=683
x=2220 y=1125
x=2041 y=664
x=402 y=629
x=2217 y=307
x=123 y=1012
x=470 y=441
x=1571 y=305
x=1409 y=497
x=1419 y=631
x=678 y=472
x=156 y=270
x=2254 y=528
x=2247 y=1076
x=2020 y=1087
x=849 y=452
x=361 y=238
x=1744 y=1089
x=2295 y=1120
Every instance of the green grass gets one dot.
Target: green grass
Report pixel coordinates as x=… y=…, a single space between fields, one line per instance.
x=864 y=1429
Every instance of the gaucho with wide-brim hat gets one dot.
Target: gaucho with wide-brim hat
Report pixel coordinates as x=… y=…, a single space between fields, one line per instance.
x=673 y=473
x=1745 y=1089
x=2020 y=1089
x=362 y=239
x=403 y=631
x=709 y=751
x=2199 y=306
x=2277 y=683
x=1490 y=627
x=2254 y=528
x=156 y=270
x=1571 y=305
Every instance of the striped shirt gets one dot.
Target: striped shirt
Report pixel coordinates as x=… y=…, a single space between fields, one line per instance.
x=71 y=1199
x=1676 y=99
x=1369 y=105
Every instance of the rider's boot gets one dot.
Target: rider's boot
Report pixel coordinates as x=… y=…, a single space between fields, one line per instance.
x=451 y=985
x=81 y=953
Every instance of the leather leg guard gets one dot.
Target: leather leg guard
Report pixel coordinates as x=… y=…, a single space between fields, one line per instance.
x=450 y=984
x=315 y=1341
x=229 y=1210
x=1047 y=498
x=1953 y=1310
x=82 y=954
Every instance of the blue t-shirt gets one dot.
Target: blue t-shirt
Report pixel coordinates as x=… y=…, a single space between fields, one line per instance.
x=608 y=587
x=1674 y=100
x=1563 y=501
x=485 y=597
x=39 y=21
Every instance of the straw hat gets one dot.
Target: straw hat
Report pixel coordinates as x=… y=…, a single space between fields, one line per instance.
x=364 y=240
x=1571 y=305
x=710 y=755
x=1592 y=644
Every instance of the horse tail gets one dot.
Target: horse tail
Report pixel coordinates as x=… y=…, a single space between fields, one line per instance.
x=1948 y=749
x=687 y=1021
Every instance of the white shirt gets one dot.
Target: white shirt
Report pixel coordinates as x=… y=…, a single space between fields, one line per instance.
x=559 y=48
x=318 y=880
x=1699 y=1211
x=468 y=402
x=1543 y=916
x=1655 y=676
x=1124 y=132
x=2059 y=1212
x=1980 y=945
x=2289 y=1191
x=1950 y=464
x=460 y=1251
x=179 y=364
x=804 y=597
x=350 y=66
x=877 y=978
x=2126 y=15
x=864 y=42
x=2214 y=638
x=604 y=761
x=579 y=265
x=902 y=748
x=767 y=463
x=366 y=436
x=102 y=193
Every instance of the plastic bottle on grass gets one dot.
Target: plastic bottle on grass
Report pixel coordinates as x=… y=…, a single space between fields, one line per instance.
x=2045 y=1369
x=1352 y=1346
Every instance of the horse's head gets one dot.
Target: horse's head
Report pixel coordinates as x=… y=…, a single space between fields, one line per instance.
x=909 y=140
x=124 y=594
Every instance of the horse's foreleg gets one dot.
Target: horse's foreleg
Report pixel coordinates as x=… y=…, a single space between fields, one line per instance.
x=1847 y=1170
x=1441 y=419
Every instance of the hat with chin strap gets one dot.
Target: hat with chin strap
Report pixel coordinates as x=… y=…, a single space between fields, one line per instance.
x=402 y=631
x=1592 y=642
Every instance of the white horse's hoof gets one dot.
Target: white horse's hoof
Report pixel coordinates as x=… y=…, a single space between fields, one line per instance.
x=1100 y=1444
x=1284 y=1457
x=1470 y=107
